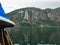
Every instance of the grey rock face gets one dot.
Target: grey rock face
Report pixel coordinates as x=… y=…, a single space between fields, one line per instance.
x=33 y=15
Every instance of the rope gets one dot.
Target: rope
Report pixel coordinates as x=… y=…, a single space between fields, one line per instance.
x=5 y=38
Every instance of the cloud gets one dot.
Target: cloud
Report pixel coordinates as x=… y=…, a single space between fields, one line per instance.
x=10 y=5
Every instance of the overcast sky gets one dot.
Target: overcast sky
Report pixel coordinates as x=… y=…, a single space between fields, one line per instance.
x=10 y=5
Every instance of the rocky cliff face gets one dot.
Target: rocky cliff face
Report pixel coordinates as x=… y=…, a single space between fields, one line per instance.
x=33 y=15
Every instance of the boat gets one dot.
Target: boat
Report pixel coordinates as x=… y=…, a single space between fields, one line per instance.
x=4 y=21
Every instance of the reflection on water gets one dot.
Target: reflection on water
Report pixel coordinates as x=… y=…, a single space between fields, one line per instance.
x=16 y=44
x=46 y=35
x=35 y=35
x=39 y=44
x=50 y=34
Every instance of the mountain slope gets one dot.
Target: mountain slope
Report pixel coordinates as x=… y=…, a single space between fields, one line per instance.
x=34 y=15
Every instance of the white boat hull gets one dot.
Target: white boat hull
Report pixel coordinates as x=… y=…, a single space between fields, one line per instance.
x=6 y=22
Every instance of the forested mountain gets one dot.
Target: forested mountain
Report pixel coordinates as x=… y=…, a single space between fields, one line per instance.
x=34 y=25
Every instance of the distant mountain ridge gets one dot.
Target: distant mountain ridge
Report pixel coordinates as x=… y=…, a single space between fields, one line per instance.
x=34 y=15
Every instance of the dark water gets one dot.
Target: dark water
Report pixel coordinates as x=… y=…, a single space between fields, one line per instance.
x=49 y=34
x=39 y=44
x=45 y=35
x=38 y=35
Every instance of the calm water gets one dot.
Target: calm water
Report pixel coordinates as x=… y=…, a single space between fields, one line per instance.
x=43 y=35
x=38 y=44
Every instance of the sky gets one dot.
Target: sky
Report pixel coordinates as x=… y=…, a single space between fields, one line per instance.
x=10 y=5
